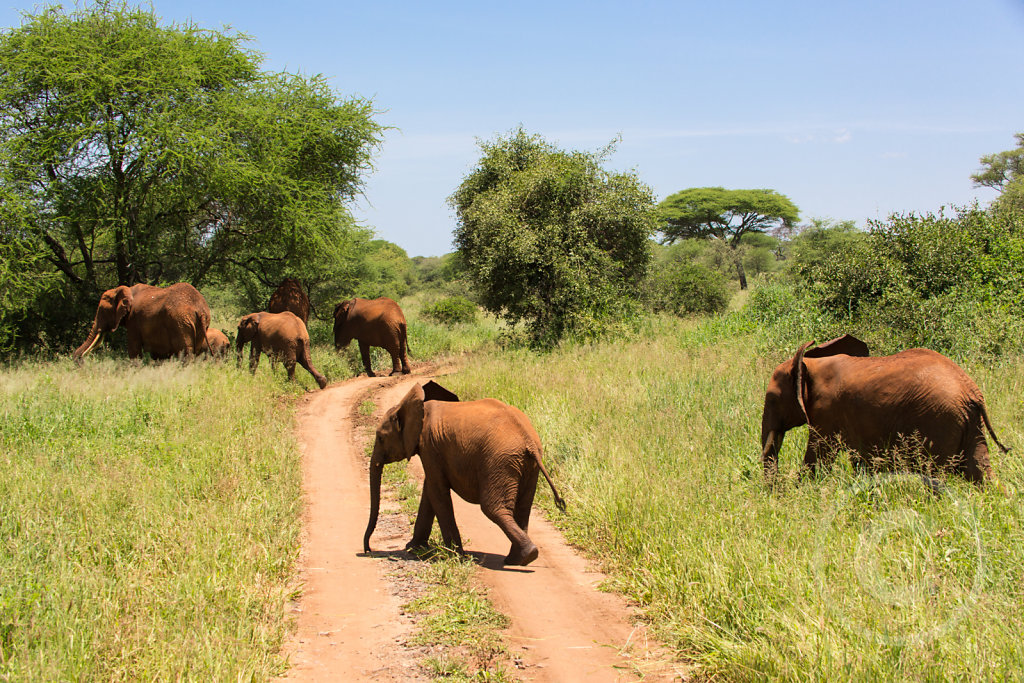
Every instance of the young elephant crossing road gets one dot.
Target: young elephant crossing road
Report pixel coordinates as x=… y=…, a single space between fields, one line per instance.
x=485 y=451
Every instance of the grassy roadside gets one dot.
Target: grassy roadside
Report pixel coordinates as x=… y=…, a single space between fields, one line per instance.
x=149 y=519
x=149 y=513
x=656 y=442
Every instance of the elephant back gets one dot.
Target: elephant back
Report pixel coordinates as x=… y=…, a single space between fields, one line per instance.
x=289 y=296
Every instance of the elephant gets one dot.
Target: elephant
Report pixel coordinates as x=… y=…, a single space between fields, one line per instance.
x=373 y=322
x=485 y=451
x=277 y=334
x=165 y=321
x=217 y=343
x=916 y=398
x=289 y=296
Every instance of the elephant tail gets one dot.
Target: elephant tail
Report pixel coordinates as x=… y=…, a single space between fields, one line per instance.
x=988 y=425
x=558 y=499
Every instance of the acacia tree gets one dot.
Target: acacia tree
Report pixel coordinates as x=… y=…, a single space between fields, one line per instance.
x=1004 y=171
x=551 y=239
x=727 y=215
x=155 y=153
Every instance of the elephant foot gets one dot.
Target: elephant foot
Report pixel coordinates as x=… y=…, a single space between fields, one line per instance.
x=523 y=557
x=369 y=373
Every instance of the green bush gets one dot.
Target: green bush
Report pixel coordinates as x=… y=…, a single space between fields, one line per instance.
x=952 y=283
x=451 y=310
x=689 y=287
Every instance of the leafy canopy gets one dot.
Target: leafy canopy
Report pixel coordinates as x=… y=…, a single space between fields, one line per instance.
x=551 y=239
x=1004 y=171
x=726 y=214
x=144 y=152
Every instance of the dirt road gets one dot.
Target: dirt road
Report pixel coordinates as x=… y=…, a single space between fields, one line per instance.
x=349 y=621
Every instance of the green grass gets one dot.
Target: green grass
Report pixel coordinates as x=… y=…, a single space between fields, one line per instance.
x=454 y=614
x=149 y=520
x=654 y=441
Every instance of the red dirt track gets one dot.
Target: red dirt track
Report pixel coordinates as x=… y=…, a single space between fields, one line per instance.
x=349 y=621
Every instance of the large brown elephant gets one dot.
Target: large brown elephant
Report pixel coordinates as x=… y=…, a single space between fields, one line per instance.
x=485 y=451
x=373 y=322
x=280 y=335
x=165 y=321
x=917 y=399
x=289 y=296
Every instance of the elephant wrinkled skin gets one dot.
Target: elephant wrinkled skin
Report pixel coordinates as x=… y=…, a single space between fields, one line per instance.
x=289 y=296
x=373 y=322
x=165 y=321
x=916 y=399
x=280 y=335
x=485 y=451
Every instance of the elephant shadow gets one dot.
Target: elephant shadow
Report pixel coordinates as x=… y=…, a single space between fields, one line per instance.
x=492 y=561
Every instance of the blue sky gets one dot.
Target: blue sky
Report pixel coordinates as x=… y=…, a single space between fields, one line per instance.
x=854 y=110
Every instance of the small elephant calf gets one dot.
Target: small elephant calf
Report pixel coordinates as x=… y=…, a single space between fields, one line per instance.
x=485 y=451
x=277 y=334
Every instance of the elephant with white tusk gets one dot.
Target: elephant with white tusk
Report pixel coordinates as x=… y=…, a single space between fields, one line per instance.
x=165 y=321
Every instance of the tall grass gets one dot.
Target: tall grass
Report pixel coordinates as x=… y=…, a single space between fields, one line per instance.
x=656 y=442
x=149 y=520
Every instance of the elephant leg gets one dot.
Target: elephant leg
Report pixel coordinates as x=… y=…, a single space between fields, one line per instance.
x=134 y=345
x=289 y=366
x=403 y=353
x=305 y=362
x=396 y=366
x=503 y=511
x=524 y=501
x=254 y=356
x=819 y=453
x=364 y=352
x=424 y=523
x=974 y=463
x=441 y=502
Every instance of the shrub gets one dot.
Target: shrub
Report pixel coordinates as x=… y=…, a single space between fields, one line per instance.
x=689 y=287
x=952 y=283
x=451 y=310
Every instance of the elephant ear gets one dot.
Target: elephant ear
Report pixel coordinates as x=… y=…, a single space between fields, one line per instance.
x=410 y=420
x=845 y=345
x=800 y=370
x=343 y=308
x=432 y=391
x=123 y=307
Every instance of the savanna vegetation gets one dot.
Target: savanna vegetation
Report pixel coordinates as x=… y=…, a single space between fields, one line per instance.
x=149 y=513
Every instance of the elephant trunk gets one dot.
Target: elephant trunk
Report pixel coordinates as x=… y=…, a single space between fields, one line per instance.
x=771 y=444
x=376 y=472
x=95 y=335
